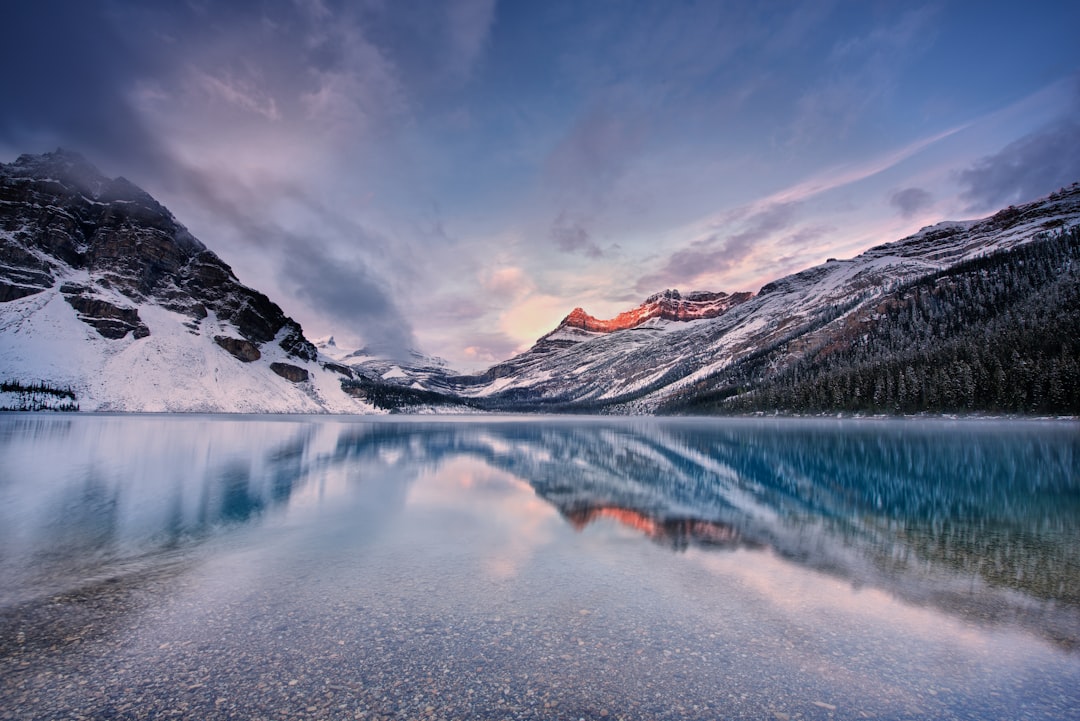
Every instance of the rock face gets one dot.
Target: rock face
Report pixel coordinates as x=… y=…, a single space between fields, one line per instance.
x=104 y=292
x=110 y=320
x=243 y=350
x=58 y=213
x=667 y=305
x=290 y=372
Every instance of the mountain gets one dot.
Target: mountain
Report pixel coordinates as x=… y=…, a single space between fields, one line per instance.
x=707 y=352
x=666 y=306
x=108 y=303
x=998 y=333
x=585 y=358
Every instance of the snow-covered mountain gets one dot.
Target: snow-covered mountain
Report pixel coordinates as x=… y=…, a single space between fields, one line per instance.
x=418 y=370
x=104 y=294
x=639 y=360
x=108 y=303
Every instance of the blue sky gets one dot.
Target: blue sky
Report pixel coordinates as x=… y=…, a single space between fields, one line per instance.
x=457 y=176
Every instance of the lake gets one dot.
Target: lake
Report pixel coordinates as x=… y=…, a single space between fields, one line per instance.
x=219 y=567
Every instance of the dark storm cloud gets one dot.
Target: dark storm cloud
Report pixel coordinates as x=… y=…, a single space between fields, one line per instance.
x=82 y=75
x=71 y=71
x=346 y=291
x=66 y=73
x=1026 y=169
x=910 y=201
x=353 y=297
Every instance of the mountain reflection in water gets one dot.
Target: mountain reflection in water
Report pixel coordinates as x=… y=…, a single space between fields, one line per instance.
x=980 y=519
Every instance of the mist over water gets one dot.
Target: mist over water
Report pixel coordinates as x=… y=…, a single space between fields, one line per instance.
x=538 y=567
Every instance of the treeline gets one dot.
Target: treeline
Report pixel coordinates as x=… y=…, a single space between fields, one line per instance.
x=37 y=396
x=394 y=397
x=996 y=334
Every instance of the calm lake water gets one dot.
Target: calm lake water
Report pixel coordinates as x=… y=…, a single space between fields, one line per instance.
x=546 y=568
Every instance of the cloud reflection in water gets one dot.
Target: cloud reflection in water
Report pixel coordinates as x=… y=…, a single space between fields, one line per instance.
x=981 y=520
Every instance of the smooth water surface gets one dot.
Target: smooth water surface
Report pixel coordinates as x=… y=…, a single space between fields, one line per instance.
x=549 y=568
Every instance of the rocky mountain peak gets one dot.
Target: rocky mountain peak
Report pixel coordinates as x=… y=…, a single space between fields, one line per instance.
x=668 y=305
x=669 y=295
x=63 y=166
x=60 y=217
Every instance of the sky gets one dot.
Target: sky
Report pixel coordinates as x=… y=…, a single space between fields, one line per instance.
x=455 y=177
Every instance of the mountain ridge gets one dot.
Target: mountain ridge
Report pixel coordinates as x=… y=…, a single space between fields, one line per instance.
x=665 y=305
x=107 y=302
x=635 y=369
x=105 y=293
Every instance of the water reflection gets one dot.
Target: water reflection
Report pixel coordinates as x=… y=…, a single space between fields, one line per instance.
x=978 y=519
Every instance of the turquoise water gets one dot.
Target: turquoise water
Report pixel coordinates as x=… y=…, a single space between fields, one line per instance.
x=300 y=567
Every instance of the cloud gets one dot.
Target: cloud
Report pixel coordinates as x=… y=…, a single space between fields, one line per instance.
x=910 y=201
x=1025 y=169
x=468 y=26
x=353 y=87
x=857 y=75
x=842 y=176
x=760 y=226
x=63 y=61
x=507 y=283
x=571 y=236
x=594 y=153
x=259 y=121
x=238 y=93
x=484 y=348
x=339 y=286
x=718 y=252
x=583 y=170
x=532 y=317
x=348 y=292
x=434 y=47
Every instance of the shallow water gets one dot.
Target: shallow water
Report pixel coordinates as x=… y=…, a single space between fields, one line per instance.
x=556 y=568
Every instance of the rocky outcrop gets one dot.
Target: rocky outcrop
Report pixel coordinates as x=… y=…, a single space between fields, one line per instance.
x=340 y=369
x=57 y=211
x=21 y=272
x=110 y=320
x=290 y=372
x=243 y=350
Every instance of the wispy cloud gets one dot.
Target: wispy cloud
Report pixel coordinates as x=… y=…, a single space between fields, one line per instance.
x=724 y=241
x=718 y=252
x=507 y=282
x=240 y=94
x=838 y=177
x=484 y=348
x=468 y=28
x=858 y=73
x=353 y=87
